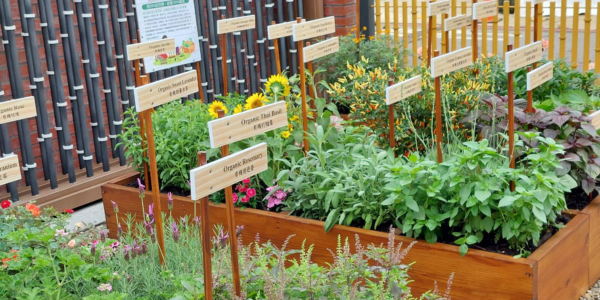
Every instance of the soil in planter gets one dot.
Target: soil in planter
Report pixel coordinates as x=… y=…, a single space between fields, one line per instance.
x=578 y=199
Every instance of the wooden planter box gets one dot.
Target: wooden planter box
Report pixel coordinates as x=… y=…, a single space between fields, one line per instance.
x=557 y=270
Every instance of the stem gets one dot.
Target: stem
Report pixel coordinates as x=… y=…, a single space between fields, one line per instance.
x=55 y=273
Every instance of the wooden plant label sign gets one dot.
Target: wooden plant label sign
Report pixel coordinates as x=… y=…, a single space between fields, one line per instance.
x=437 y=8
x=540 y=75
x=281 y=30
x=321 y=49
x=523 y=56
x=450 y=62
x=457 y=22
x=538 y=1
x=235 y=24
x=485 y=9
x=215 y=176
x=154 y=48
x=403 y=90
x=9 y=169
x=244 y=125
x=315 y=28
x=166 y=90
x=17 y=109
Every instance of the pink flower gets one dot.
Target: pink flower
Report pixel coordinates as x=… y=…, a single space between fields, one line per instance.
x=71 y=243
x=170 y=200
x=336 y=122
x=60 y=232
x=545 y=44
x=105 y=287
x=140 y=185
x=246 y=181
x=246 y=199
x=235 y=197
x=251 y=193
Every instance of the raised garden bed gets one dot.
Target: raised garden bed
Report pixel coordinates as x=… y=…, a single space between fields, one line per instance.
x=562 y=268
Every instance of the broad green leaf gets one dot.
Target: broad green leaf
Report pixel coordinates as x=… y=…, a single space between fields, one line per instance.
x=482 y=195
x=507 y=200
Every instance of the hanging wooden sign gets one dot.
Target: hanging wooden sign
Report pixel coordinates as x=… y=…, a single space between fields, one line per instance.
x=311 y=29
x=166 y=90
x=147 y=49
x=281 y=30
x=17 y=109
x=523 y=56
x=403 y=90
x=321 y=49
x=485 y=9
x=437 y=8
x=215 y=176
x=235 y=24
x=457 y=22
x=444 y=64
x=9 y=169
x=540 y=75
x=244 y=125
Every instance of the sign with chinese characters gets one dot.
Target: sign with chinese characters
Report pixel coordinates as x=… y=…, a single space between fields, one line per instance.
x=176 y=19
x=9 y=169
x=450 y=62
x=235 y=24
x=403 y=90
x=436 y=8
x=540 y=75
x=308 y=30
x=215 y=176
x=457 y=22
x=485 y=9
x=142 y=50
x=523 y=56
x=244 y=125
x=281 y=30
x=321 y=49
x=17 y=109
x=166 y=90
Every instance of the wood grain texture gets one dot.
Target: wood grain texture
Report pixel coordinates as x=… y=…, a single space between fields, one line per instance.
x=235 y=24
x=312 y=29
x=163 y=91
x=281 y=30
x=321 y=49
x=478 y=275
x=562 y=262
x=403 y=90
x=521 y=57
x=147 y=49
x=9 y=169
x=593 y=210
x=450 y=62
x=17 y=109
x=485 y=9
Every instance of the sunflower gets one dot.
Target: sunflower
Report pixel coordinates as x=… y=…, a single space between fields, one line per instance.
x=285 y=134
x=290 y=127
x=294 y=118
x=279 y=85
x=214 y=107
x=238 y=109
x=256 y=100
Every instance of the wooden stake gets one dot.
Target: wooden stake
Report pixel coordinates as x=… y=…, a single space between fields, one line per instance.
x=563 y=29
x=429 y=38
x=235 y=264
x=574 y=32
x=392 y=121
x=511 y=122
x=505 y=30
x=138 y=83
x=446 y=36
x=276 y=45
x=424 y=32
x=311 y=91
x=438 y=115
x=586 y=35
x=474 y=36
x=517 y=25
x=528 y=23
x=206 y=244
x=155 y=184
x=414 y=29
x=529 y=108
x=551 y=30
x=303 y=92
x=200 y=88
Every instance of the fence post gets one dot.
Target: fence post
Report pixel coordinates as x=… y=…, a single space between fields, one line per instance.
x=574 y=34
x=528 y=23
x=551 y=30
x=586 y=34
x=495 y=36
x=517 y=25
x=414 y=30
x=563 y=27
x=463 y=30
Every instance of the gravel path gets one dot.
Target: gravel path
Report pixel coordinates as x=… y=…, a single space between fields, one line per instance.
x=593 y=293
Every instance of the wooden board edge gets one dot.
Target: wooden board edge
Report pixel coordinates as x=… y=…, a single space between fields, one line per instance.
x=576 y=222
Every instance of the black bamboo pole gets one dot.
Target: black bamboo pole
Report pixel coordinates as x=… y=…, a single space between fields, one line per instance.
x=228 y=55
x=283 y=54
x=56 y=86
x=260 y=32
x=119 y=27
x=14 y=71
x=250 y=54
x=293 y=50
x=75 y=86
x=108 y=76
x=300 y=9
x=36 y=80
x=131 y=20
x=270 y=18
x=92 y=81
x=216 y=58
x=239 y=52
x=203 y=44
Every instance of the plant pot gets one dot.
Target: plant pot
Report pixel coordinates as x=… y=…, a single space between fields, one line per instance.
x=556 y=270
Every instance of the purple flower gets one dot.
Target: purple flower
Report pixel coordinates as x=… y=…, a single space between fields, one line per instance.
x=144 y=248
x=141 y=186
x=152 y=235
x=105 y=287
x=175 y=232
x=115 y=245
x=170 y=201
x=149 y=226
x=221 y=240
x=238 y=230
x=119 y=230
x=93 y=248
x=103 y=235
x=135 y=249
x=127 y=252
x=115 y=207
x=197 y=220
x=150 y=213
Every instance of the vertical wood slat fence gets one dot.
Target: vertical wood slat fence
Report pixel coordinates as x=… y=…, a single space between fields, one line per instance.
x=77 y=70
x=575 y=37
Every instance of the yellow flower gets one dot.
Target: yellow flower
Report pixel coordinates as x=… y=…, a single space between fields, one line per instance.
x=356 y=41
x=214 y=107
x=278 y=84
x=238 y=109
x=285 y=134
x=256 y=100
x=290 y=127
x=294 y=118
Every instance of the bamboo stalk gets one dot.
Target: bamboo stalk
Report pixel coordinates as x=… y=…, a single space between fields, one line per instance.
x=551 y=30
x=575 y=33
x=586 y=35
x=517 y=25
x=387 y=21
x=293 y=50
x=117 y=17
x=272 y=52
x=453 y=8
x=484 y=35
x=405 y=29
x=528 y=23
x=414 y=32
x=474 y=35
x=463 y=30
x=377 y=18
x=433 y=34
x=396 y=23
x=495 y=36
x=445 y=40
x=228 y=55
x=282 y=42
x=505 y=30
x=250 y=54
x=214 y=49
x=563 y=28
x=204 y=65
x=539 y=22
x=261 y=38
x=424 y=32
